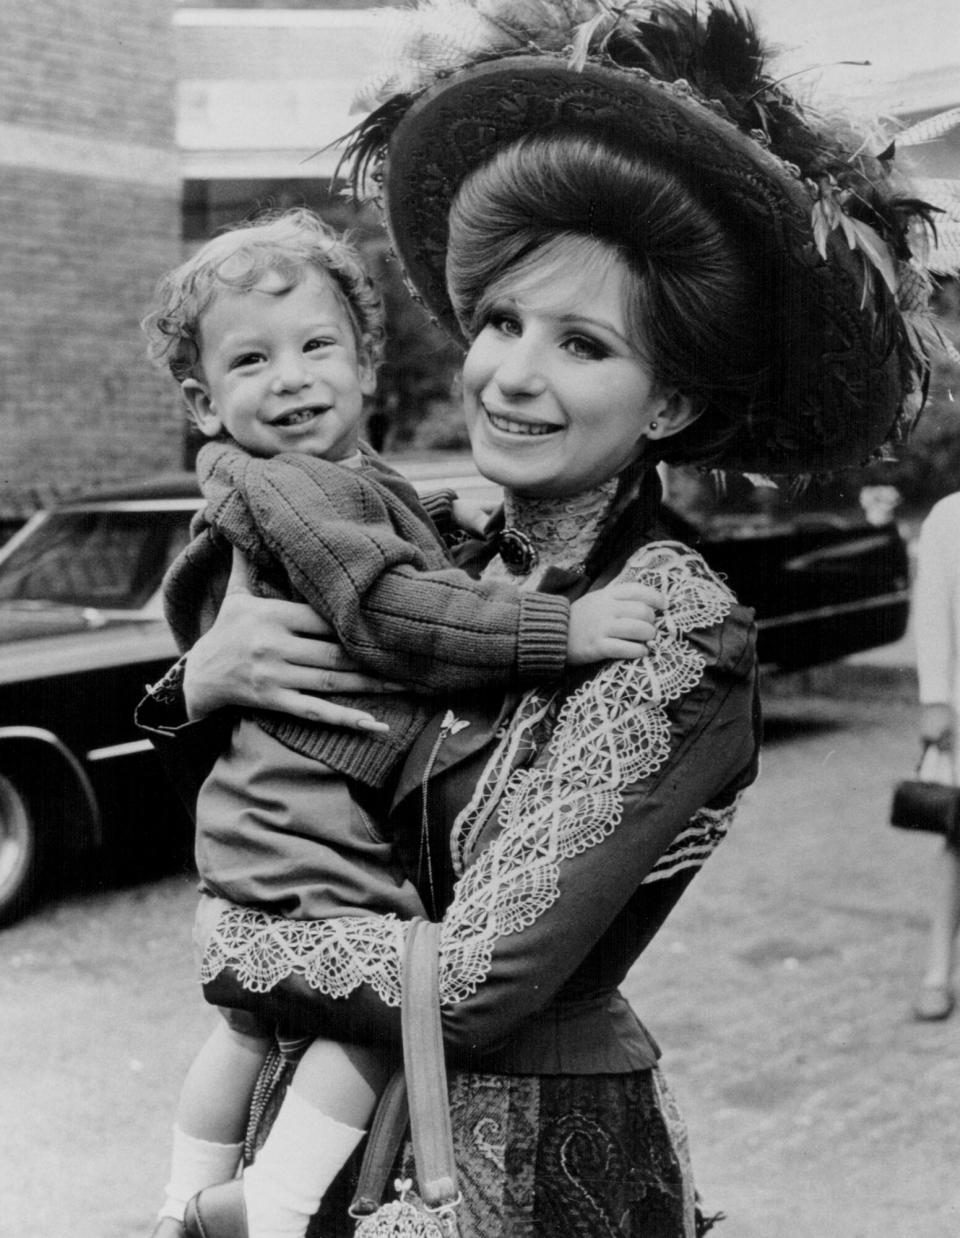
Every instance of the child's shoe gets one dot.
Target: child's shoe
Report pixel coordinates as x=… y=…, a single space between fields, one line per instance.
x=217 y=1212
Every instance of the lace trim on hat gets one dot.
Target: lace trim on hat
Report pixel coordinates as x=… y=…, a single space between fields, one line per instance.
x=612 y=732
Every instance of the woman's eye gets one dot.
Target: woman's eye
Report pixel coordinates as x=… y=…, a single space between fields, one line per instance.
x=506 y=324
x=585 y=348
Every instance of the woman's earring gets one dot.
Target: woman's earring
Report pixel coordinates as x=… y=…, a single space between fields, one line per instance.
x=653 y=427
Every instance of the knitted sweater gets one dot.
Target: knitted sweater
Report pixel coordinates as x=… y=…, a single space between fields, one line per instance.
x=357 y=545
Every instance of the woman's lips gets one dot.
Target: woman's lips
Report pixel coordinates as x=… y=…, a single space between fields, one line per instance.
x=510 y=425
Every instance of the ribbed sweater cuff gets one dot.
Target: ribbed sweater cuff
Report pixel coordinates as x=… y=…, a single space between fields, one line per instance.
x=542 y=645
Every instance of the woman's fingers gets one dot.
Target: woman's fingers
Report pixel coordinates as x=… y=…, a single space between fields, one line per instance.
x=324 y=680
x=292 y=617
x=267 y=653
x=326 y=713
x=314 y=652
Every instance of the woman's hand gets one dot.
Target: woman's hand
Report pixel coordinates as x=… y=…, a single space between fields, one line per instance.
x=265 y=653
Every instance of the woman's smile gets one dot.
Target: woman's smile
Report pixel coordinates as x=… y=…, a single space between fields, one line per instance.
x=512 y=425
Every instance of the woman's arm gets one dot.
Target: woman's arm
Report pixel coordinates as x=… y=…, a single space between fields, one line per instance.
x=620 y=797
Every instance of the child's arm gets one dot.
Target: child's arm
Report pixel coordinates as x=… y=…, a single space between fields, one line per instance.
x=434 y=628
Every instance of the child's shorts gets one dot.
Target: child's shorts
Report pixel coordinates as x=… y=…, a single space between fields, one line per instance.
x=280 y=831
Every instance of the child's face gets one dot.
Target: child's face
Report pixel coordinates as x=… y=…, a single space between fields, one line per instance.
x=282 y=370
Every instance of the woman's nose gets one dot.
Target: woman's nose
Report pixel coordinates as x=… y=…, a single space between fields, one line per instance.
x=518 y=372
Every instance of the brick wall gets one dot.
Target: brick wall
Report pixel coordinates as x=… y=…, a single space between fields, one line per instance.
x=89 y=217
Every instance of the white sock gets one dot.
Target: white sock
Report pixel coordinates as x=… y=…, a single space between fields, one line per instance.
x=301 y=1156
x=194 y=1164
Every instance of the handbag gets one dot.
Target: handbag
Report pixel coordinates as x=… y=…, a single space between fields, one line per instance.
x=929 y=802
x=420 y=1092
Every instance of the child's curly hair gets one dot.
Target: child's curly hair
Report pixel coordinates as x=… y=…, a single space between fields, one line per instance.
x=287 y=243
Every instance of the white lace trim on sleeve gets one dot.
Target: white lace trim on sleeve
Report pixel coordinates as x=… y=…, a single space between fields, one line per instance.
x=334 y=956
x=612 y=732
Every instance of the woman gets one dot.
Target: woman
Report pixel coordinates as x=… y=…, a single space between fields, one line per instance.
x=634 y=269
x=936 y=614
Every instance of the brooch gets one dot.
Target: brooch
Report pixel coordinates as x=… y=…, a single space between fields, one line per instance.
x=517 y=551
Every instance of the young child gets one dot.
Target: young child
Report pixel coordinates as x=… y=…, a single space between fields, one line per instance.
x=273 y=331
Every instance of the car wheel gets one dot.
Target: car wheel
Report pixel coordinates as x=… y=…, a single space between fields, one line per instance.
x=19 y=852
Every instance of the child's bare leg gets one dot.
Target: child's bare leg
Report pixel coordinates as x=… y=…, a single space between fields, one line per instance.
x=322 y=1119
x=212 y=1112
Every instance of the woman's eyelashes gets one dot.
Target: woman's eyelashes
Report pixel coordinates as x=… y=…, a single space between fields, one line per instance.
x=579 y=344
x=502 y=321
x=586 y=348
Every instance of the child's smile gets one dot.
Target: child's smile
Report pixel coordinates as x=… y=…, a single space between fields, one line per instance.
x=300 y=416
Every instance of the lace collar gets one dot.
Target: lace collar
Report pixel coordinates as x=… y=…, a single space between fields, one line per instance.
x=542 y=533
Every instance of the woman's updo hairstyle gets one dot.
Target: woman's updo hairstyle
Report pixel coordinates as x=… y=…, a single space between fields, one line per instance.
x=694 y=311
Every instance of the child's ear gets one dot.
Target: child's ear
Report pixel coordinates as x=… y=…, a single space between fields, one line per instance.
x=200 y=406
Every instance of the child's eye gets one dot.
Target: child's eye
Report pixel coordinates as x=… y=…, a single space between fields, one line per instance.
x=319 y=341
x=243 y=360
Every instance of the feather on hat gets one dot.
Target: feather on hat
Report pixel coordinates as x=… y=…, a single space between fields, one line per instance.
x=689 y=87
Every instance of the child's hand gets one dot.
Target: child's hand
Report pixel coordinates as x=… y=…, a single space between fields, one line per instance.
x=615 y=622
x=471 y=516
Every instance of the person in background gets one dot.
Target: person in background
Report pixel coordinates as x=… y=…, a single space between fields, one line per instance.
x=936 y=627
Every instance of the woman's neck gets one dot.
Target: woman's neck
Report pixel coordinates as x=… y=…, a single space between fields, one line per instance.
x=553 y=532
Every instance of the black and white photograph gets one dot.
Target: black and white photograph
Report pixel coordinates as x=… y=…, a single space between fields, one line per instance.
x=467 y=469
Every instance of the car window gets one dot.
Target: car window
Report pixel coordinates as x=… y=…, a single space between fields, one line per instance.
x=108 y=559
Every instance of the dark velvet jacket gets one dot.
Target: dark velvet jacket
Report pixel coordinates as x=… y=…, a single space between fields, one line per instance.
x=601 y=800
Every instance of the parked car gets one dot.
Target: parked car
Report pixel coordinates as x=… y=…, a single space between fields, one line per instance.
x=81 y=634
x=823 y=586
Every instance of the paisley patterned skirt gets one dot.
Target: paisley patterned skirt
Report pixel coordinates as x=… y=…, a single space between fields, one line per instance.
x=585 y=1156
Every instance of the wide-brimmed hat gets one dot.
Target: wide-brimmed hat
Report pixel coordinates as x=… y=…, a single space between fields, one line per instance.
x=829 y=228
